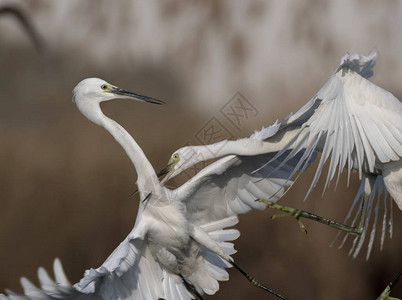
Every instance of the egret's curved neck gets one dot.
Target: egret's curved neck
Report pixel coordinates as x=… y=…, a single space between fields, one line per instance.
x=248 y=146
x=212 y=151
x=245 y=146
x=147 y=178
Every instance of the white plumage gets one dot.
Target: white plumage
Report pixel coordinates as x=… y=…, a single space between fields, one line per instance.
x=180 y=238
x=355 y=123
x=358 y=125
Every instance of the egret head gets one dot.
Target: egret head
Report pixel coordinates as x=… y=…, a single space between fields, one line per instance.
x=181 y=160
x=90 y=92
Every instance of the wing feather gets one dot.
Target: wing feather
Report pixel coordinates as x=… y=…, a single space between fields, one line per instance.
x=31 y=290
x=360 y=123
x=353 y=123
x=229 y=187
x=129 y=272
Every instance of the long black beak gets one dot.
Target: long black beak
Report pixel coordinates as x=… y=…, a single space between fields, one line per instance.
x=135 y=96
x=165 y=170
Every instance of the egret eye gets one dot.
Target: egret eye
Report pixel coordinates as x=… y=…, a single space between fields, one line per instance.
x=104 y=87
x=176 y=156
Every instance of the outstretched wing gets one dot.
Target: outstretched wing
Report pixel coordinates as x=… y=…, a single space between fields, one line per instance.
x=351 y=120
x=229 y=187
x=130 y=272
x=354 y=123
x=60 y=288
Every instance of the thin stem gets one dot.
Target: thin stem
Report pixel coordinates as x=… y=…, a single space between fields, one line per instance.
x=387 y=291
x=395 y=280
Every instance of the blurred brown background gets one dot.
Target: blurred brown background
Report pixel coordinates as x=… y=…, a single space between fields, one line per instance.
x=65 y=183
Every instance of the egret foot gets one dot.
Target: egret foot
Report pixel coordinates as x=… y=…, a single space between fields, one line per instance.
x=289 y=212
x=298 y=213
x=254 y=282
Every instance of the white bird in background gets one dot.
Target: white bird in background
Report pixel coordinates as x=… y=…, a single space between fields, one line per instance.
x=350 y=120
x=179 y=246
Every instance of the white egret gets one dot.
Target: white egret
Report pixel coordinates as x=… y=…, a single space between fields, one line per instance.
x=179 y=246
x=350 y=120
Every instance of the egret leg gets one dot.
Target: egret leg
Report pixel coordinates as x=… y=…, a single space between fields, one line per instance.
x=385 y=294
x=191 y=288
x=202 y=238
x=254 y=282
x=298 y=213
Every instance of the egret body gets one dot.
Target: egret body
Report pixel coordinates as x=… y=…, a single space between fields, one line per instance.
x=179 y=247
